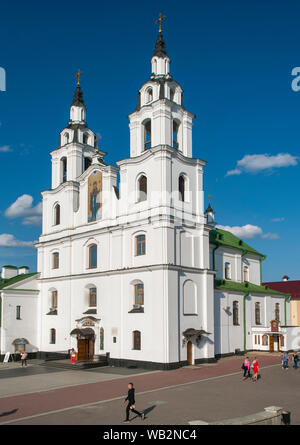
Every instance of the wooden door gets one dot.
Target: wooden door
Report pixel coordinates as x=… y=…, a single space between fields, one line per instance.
x=91 y=346
x=82 y=347
x=190 y=353
x=271 y=343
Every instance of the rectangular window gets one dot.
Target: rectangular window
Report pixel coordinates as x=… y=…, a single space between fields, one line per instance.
x=55 y=257
x=54 y=299
x=93 y=256
x=140 y=245
x=137 y=340
x=93 y=297
x=139 y=294
x=227 y=271
x=18 y=312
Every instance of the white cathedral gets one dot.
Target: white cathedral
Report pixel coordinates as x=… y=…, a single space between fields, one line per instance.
x=130 y=266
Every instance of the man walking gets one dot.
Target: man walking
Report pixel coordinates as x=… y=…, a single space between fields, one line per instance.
x=296 y=358
x=131 y=404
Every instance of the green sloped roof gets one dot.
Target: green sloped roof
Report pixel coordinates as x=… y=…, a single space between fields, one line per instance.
x=8 y=282
x=224 y=238
x=245 y=287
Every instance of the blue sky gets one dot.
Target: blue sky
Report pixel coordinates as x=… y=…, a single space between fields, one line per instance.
x=234 y=61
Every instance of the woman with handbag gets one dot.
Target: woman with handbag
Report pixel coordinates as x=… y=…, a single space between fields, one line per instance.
x=246 y=368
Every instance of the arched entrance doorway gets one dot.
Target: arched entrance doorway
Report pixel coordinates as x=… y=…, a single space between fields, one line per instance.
x=85 y=343
x=190 y=353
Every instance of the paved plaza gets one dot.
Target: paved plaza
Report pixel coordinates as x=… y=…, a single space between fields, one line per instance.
x=207 y=392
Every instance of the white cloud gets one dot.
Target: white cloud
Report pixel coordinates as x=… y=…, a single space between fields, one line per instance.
x=23 y=207
x=5 y=149
x=259 y=162
x=270 y=236
x=248 y=231
x=278 y=219
x=35 y=220
x=8 y=240
x=236 y=171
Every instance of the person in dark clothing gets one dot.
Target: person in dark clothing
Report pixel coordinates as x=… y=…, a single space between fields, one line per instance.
x=131 y=404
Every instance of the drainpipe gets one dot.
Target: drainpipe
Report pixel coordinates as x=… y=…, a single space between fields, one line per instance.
x=213 y=257
x=261 y=260
x=244 y=320
x=285 y=301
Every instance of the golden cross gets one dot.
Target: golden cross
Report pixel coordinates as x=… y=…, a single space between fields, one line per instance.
x=209 y=198
x=159 y=20
x=97 y=143
x=78 y=76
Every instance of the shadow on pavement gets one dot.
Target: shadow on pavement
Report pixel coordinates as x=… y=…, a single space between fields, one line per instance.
x=8 y=413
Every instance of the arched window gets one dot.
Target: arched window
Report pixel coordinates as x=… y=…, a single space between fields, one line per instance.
x=57 y=215
x=172 y=94
x=54 y=299
x=52 y=336
x=246 y=274
x=147 y=134
x=93 y=256
x=85 y=138
x=137 y=340
x=149 y=95
x=227 y=271
x=281 y=341
x=67 y=137
x=257 y=313
x=235 y=313
x=140 y=245
x=139 y=294
x=92 y=297
x=55 y=260
x=64 y=169
x=277 y=312
x=142 y=188
x=175 y=134
x=87 y=163
x=265 y=340
x=181 y=187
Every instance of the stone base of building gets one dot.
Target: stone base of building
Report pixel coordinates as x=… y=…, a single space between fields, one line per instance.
x=155 y=365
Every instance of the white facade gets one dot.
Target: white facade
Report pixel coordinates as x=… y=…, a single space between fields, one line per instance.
x=19 y=312
x=126 y=267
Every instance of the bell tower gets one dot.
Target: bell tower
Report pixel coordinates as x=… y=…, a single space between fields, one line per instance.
x=160 y=117
x=77 y=143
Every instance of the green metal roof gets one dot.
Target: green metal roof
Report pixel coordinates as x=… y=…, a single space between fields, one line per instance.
x=9 y=281
x=245 y=287
x=221 y=237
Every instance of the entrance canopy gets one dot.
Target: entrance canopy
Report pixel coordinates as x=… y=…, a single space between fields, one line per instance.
x=84 y=333
x=20 y=341
x=191 y=332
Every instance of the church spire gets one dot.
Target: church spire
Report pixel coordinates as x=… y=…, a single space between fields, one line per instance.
x=78 y=108
x=160 y=61
x=160 y=46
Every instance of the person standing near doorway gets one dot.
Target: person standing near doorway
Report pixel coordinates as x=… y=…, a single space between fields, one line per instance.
x=24 y=359
x=73 y=356
x=131 y=403
x=296 y=359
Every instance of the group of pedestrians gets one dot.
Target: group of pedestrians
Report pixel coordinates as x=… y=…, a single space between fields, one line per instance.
x=285 y=360
x=247 y=366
